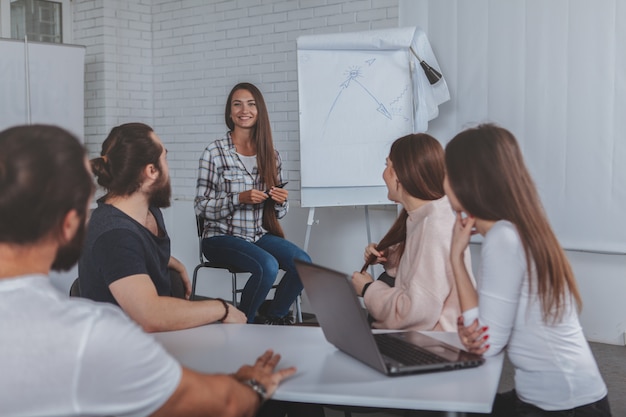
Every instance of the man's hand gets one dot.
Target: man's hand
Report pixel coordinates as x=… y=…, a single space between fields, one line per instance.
x=264 y=372
x=234 y=315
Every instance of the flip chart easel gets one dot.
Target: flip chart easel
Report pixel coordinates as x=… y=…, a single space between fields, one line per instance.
x=358 y=92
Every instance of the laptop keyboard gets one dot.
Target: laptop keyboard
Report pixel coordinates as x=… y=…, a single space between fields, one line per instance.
x=404 y=352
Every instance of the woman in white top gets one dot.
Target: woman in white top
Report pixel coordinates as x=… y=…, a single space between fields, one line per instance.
x=526 y=300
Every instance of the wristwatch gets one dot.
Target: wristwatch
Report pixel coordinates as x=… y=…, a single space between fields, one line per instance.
x=258 y=388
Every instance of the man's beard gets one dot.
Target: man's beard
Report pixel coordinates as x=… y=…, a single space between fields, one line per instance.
x=68 y=254
x=161 y=194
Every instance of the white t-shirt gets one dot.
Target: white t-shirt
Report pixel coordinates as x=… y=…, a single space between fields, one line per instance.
x=248 y=161
x=554 y=366
x=62 y=356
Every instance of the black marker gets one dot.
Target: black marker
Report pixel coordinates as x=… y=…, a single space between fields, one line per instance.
x=277 y=186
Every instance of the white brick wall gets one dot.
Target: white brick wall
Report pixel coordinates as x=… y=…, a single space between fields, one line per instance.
x=118 y=71
x=171 y=63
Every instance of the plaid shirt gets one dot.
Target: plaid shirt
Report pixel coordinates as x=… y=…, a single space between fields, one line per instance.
x=221 y=177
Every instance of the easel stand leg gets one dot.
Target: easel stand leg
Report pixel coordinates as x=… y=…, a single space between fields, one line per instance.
x=309 y=224
x=307 y=236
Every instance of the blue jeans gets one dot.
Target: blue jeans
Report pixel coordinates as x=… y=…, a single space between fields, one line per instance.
x=262 y=259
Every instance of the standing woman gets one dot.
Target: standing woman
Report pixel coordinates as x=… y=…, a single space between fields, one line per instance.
x=416 y=250
x=237 y=194
x=527 y=300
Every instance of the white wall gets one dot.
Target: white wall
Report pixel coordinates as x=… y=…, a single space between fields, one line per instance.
x=118 y=64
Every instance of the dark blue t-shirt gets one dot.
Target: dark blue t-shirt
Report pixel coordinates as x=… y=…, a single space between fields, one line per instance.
x=116 y=246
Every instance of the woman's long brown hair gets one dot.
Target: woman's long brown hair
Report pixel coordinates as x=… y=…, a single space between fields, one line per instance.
x=418 y=161
x=265 y=152
x=487 y=173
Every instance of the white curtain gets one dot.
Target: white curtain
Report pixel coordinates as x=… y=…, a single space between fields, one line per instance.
x=554 y=73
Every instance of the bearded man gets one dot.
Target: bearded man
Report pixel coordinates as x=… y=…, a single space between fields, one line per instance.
x=127 y=259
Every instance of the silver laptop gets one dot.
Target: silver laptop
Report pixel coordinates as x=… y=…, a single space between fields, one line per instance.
x=344 y=323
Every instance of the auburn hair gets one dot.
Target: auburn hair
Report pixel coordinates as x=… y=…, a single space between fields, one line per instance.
x=486 y=171
x=418 y=161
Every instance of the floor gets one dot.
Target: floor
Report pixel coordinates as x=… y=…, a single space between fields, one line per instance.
x=611 y=360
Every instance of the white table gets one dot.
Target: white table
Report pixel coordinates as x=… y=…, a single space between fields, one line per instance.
x=326 y=375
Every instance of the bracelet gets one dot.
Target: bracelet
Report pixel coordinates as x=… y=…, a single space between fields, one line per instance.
x=225 y=304
x=365 y=287
x=257 y=387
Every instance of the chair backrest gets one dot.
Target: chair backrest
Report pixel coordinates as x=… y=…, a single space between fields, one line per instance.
x=199 y=230
x=178 y=289
x=75 y=288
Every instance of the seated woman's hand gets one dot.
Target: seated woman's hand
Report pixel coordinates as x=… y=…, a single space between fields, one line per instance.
x=474 y=337
x=370 y=250
x=359 y=279
x=252 y=197
x=279 y=195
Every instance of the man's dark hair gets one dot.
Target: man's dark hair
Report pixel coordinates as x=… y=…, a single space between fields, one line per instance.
x=127 y=150
x=43 y=175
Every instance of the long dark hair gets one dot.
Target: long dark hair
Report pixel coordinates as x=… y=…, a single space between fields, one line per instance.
x=265 y=152
x=418 y=161
x=487 y=173
x=125 y=153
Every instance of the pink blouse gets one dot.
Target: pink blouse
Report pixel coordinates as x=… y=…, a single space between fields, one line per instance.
x=424 y=296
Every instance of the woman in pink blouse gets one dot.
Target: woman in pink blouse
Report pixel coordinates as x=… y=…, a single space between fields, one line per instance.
x=415 y=252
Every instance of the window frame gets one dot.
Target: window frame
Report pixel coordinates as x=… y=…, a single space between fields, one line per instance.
x=66 y=19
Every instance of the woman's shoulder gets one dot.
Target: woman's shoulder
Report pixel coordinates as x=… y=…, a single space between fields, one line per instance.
x=503 y=228
x=434 y=219
x=440 y=211
x=221 y=143
x=219 y=149
x=503 y=234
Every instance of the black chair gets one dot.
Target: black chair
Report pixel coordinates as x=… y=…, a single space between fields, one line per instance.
x=75 y=288
x=204 y=263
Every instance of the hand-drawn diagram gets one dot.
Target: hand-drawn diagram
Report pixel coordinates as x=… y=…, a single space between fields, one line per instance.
x=353 y=104
x=353 y=74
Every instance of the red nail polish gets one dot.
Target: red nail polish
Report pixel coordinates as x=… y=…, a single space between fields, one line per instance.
x=485 y=337
x=485 y=328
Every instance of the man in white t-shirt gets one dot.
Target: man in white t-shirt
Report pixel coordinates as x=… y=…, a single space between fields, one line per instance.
x=74 y=357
